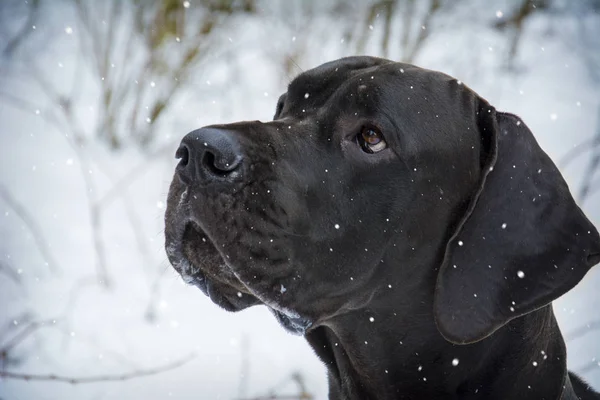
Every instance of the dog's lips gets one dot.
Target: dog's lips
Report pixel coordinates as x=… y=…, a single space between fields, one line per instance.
x=195 y=277
x=193 y=274
x=292 y=322
x=193 y=253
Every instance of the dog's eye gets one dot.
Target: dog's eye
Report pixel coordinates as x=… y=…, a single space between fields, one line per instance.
x=371 y=140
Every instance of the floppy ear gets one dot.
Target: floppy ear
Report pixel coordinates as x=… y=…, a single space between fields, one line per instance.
x=522 y=242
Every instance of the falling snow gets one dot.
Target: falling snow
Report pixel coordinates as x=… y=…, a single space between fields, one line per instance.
x=537 y=103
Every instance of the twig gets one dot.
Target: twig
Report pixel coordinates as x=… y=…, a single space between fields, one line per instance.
x=34 y=228
x=63 y=106
x=302 y=392
x=407 y=14
x=424 y=31
x=594 y=187
x=25 y=30
x=593 y=164
x=587 y=145
x=516 y=22
x=23 y=317
x=91 y=342
x=373 y=14
x=589 y=367
x=78 y=287
x=283 y=397
x=10 y=274
x=135 y=173
x=154 y=295
x=582 y=331
x=27 y=331
x=245 y=366
x=98 y=378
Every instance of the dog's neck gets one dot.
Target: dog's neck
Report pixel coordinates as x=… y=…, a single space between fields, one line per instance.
x=392 y=348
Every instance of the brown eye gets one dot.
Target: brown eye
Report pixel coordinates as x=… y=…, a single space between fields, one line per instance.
x=371 y=140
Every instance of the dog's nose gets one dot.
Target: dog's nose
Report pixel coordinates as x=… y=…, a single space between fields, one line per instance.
x=209 y=155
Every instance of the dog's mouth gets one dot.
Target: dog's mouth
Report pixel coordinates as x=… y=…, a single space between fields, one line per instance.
x=195 y=256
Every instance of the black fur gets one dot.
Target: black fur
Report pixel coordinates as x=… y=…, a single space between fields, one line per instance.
x=422 y=271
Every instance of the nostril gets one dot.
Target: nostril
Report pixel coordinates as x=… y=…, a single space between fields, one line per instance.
x=183 y=153
x=217 y=165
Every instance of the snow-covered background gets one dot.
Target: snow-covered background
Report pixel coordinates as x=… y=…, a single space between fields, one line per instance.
x=94 y=97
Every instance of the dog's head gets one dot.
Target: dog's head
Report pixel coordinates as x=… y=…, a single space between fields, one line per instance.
x=366 y=164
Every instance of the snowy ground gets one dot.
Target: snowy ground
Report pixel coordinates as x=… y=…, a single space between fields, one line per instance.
x=108 y=331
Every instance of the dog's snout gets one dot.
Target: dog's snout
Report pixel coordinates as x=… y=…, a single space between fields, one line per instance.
x=209 y=155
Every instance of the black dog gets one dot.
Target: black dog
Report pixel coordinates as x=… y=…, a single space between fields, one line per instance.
x=412 y=233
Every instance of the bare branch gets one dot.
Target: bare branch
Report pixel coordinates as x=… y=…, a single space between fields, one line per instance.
x=594 y=187
x=582 y=331
x=27 y=331
x=23 y=317
x=135 y=173
x=34 y=228
x=373 y=13
x=25 y=30
x=284 y=397
x=302 y=392
x=84 y=165
x=516 y=21
x=154 y=295
x=407 y=14
x=593 y=164
x=245 y=366
x=10 y=274
x=77 y=289
x=589 y=367
x=585 y=146
x=424 y=31
x=99 y=378
x=389 y=7
x=92 y=342
x=29 y=107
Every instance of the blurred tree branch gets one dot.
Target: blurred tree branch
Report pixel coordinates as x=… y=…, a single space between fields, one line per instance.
x=32 y=226
x=515 y=22
x=582 y=331
x=141 y=54
x=10 y=274
x=589 y=367
x=283 y=397
x=298 y=379
x=587 y=186
x=141 y=76
x=27 y=331
x=416 y=25
x=97 y=378
x=25 y=31
x=167 y=41
x=585 y=43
